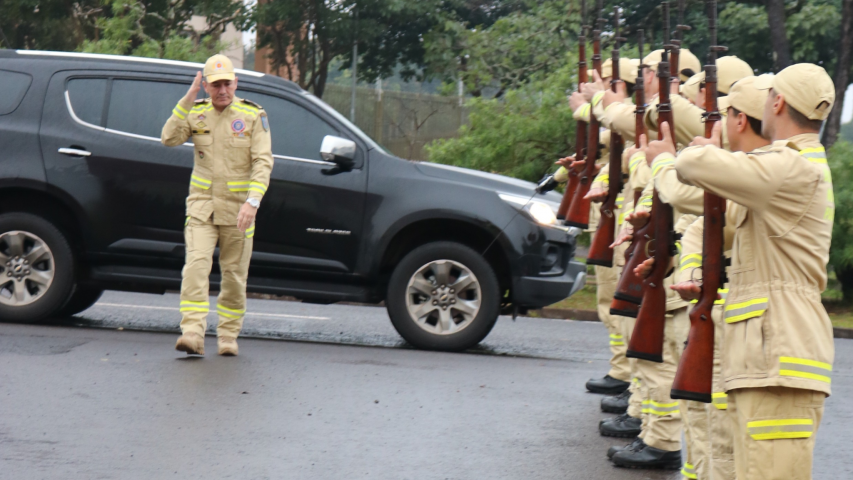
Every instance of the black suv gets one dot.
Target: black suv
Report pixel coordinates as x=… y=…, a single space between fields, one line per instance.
x=91 y=200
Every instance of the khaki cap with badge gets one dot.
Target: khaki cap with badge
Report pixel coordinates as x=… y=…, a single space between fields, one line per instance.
x=218 y=67
x=746 y=98
x=806 y=87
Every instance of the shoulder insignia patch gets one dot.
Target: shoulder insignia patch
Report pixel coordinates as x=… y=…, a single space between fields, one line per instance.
x=265 y=121
x=202 y=100
x=249 y=102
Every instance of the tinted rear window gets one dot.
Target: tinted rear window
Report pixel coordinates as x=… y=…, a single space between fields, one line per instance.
x=14 y=86
x=87 y=99
x=142 y=107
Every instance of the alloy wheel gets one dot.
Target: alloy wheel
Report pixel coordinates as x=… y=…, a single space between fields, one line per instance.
x=26 y=268
x=443 y=297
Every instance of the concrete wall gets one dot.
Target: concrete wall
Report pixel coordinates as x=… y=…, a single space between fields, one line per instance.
x=231 y=36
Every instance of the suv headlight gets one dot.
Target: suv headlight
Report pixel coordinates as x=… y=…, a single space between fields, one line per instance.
x=540 y=212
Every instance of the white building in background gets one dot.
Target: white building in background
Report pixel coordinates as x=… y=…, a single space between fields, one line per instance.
x=231 y=36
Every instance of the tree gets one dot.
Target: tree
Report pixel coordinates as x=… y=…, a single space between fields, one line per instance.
x=842 y=72
x=47 y=24
x=778 y=36
x=841 y=254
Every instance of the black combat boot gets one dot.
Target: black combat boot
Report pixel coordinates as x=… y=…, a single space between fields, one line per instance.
x=622 y=426
x=637 y=444
x=648 y=457
x=607 y=385
x=616 y=403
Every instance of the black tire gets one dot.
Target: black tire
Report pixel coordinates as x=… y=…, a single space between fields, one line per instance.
x=57 y=294
x=81 y=299
x=476 y=330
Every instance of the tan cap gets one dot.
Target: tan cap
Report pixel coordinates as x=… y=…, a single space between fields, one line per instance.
x=690 y=88
x=730 y=69
x=688 y=62
x=218 y=67
x=653 y=59
x=745 y=98
x=806 y=87
x=627 y=69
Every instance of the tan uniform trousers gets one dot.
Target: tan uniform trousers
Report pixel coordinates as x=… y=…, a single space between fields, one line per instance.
x=775 y=430
x=662 y=419
x=721 y=427
x=235 y=251
x=694 y=419
x=606 y=279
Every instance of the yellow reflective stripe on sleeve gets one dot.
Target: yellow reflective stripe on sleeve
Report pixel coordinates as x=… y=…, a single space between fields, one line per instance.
x=182 y=109
x=178 y=114
x=646 y=201
x=238 y=186
x=187 y=306
x=605 y=178
x=637 y=160
x=658 y=164
x=778 y=429
x=250 y=232
x=693 y=260
x=616 y=340
x=804 y=368
x=258 y=187
x=200 y=182
x=720 y=400
x=689 y=471
x=814 y=155
x=737 y=312
x=187 y=221
x=663 y=409
x=229 y=312
x=620 y=201
x=597 y=98
x=201 y=108
x=625 y=214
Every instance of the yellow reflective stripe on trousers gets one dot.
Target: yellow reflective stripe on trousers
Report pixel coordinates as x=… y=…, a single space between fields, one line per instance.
x=804 y=368
x=723 y=293
x=187 y=306
x=199 y=182
x=737 y=312
x=689 y=471
x=616 y=340
x=229 y=312
x=720 y=400
x=663 y=409
x=238 y=186
x=779 y=429
x=646 y=405
x=693 y=260
x=250 y=232
x=258 y=187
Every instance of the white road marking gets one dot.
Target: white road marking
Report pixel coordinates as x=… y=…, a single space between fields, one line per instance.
x=248 y=314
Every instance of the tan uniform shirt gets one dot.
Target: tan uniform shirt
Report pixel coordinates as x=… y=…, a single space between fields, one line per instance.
x=688 y=120
x=777 y=331
x=233 y=155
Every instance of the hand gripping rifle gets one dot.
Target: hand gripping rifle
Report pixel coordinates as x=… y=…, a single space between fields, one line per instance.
x=578 y=214
x=693 y=380
x=600 y=252
x=647 y=339
x=580 y=129
x=620 y=306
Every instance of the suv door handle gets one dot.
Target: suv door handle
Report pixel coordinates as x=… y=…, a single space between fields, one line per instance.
x=74 y=152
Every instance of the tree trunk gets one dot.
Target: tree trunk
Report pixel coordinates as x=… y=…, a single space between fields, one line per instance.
x=778 y=35
x=845 y=278
x=842 y=74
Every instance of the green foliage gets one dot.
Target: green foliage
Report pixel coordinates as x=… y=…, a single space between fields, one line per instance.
x=520 y=135
x=841 y=164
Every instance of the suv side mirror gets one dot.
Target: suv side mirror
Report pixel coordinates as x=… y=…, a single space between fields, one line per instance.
x=339 y=151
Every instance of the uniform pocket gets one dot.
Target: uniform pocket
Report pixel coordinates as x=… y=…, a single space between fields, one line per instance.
x=240 y=142
x=204 y=140
x=746 y=338
x=743 y=259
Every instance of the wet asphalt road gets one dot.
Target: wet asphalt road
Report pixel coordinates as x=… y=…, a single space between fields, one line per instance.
x=340 y=397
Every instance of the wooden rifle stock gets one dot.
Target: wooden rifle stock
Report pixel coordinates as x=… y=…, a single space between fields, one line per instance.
x=600 y=251
x=647 y=339
x=578 y=213
x=694 y=377
x=580 y=129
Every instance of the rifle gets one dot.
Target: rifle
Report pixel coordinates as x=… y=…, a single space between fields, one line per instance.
x=578 y=214
x=619 y=306
x=675 y=53
x=647 y=339
x=600 y=252
x=693 y=380
x=580 y=129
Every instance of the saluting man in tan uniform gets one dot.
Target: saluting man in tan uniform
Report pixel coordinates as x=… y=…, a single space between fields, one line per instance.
x=778 y=348
x=233 y=162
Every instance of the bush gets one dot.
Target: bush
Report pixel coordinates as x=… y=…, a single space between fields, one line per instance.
x=841 y=253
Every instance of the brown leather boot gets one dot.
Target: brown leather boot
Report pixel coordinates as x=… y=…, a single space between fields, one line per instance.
x=192 y=343
x=227 y=346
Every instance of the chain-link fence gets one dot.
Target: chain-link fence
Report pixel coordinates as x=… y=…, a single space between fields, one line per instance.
x=402 y=122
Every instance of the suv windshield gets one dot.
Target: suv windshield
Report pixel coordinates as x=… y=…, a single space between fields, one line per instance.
x=371 y=144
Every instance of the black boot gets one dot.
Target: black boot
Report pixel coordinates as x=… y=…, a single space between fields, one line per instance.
x=607 y=385
x=637 y=444
x=648 y=457
x=616 y=403
x=622 y=426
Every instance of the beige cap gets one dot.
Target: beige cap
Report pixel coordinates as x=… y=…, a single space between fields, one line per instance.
x=730 y=69
x=745 y=97
x=686 y=60
x=690 y=88
x=653 y=59
x=218 y=67
x=806 y=87
x=627 y=69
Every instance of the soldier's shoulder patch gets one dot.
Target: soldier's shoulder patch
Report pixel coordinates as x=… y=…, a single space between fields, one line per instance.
x=201 y=100
x=265 y=121
x=249 y=102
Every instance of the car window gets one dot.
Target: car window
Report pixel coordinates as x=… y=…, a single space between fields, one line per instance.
x=87 y=98
x=14 y=86
x=142 y=107
x=296 y=131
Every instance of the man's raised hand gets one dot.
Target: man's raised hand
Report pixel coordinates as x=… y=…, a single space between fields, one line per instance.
x=658 y=147
x=715 y=140
x=192 y=93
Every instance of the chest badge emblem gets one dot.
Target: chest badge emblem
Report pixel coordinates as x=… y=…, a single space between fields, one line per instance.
x=200 y=124
x=238 y=126
x=201 y=117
